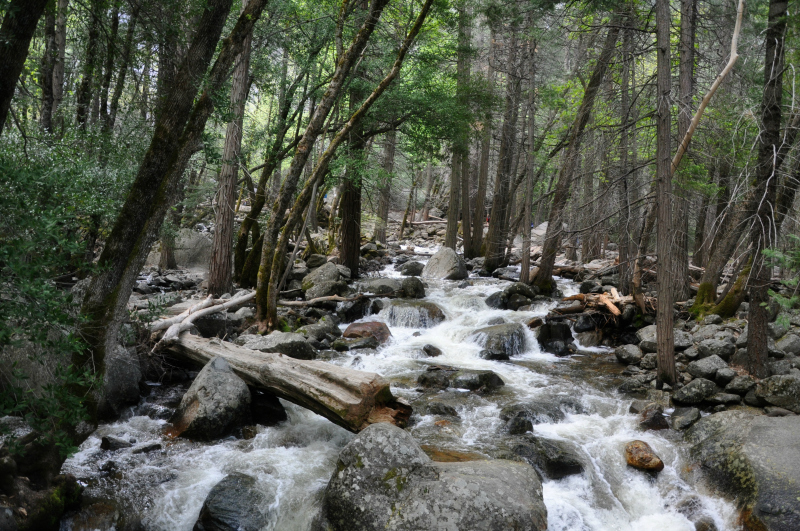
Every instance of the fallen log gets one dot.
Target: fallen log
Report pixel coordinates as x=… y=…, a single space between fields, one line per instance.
x=349 y=398
x=335 y=298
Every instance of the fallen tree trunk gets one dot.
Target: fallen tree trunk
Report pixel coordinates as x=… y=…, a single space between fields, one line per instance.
x=352 y=399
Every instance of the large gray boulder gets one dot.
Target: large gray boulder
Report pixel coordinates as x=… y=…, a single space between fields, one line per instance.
x=782 y=391
x=121 y=379
x=706 y=368
x=217 y=402
x=379 y=286
x=695 y=392
x=629 y=354
x=716 y=347
x=383 y=480
x=236 y=504
x=328 y=288
x=412 y=313
x=756 y=461
x=325 y=328
x=287 y=343
x=508 y=338
x=325 y=281
x=647 y=338
x=789 y=344
x=445 y=264
x=327 y=272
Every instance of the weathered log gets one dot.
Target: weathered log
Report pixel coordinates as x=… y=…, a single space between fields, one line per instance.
x=335 y=298
x=349 y=398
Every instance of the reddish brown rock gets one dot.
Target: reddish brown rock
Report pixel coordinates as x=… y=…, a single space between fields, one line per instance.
x=374 y=329
x=638 y=454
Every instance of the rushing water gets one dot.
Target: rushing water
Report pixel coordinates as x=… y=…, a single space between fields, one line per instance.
x=294 y=460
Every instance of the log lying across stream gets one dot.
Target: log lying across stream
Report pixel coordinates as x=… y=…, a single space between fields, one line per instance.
x=352 y=399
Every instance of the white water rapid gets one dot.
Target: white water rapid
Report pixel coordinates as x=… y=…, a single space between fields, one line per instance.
x=294 y=460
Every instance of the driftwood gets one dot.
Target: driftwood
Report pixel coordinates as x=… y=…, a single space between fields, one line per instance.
x=335 y=298
x=352 y=399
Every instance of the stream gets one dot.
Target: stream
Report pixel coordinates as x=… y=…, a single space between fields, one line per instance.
x=293 y=461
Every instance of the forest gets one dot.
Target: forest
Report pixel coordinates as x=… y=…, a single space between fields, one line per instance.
x=321 y=232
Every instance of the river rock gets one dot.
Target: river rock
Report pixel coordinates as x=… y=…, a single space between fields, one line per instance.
x=446 y=265
x=383 y=480
x=412 y=269
x=555 y=338
x=493 y=355
x=554 y=459
x=683 y=417
x=413 y=288
x=638 y=454
x=789 y=344
x=754 y=459
x=647 y=338
x=487 y=381
x=544 y=410
x=724 y=376
x=431 y=351
x=344 y=344
x=724 y=399
x=413 y=314
x=316 y=260
x=652 y=418
x=436 y=379
x=695 y=391
x=649 y=361
x=629 y=354
x=508 y=338
x=374 y=329
x=782 y=391
x=716 y=347
x=740 y=385
x=327 y=289
x=217 y=402
x=121 y=379
x=112 y=443
x=325 y=328
x=327 y=272
x=379 y=286
x=519 y=425
x=707 y=367
x=236 y=504
x=287 y=343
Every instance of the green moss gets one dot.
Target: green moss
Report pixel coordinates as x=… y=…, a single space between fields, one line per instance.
x=731 y=302
x=46 y=515
x=359 y=462
x=399 y=480
x=703 y=300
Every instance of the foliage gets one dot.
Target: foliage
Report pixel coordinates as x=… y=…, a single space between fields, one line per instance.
x=789 y=260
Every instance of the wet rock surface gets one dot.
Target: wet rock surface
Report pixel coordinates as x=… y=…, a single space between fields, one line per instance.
x=235 y=504
x=638 y=454
x=384 y=480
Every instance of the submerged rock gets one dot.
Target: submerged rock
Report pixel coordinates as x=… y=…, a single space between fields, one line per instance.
x=477 y=380
x=638 y=454
x=374 y=329
x=384 y=480
x=236 y=504
x=756 y=460
x=554 y=459
x=446 y=265
x=217 y=402
x=413 y=314
x=508 y=338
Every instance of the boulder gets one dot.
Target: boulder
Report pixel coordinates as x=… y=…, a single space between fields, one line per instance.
x=316 y=260
x=327 y=272
x=649 y=361
x=413 y=314
x=647 y=338
x=379 y=286
x=740 y=385
x=344 y=344
x=782 y=391
x=497 y=300
x=638 y=454
x=374 y=329
x=325 y=328
x=629 y=354
x=217 y=402
x=383 y=480
x=707 y=367
x=545 y=410
x=121 y=379
x=235 y=504
x=554 y=459
x=327 y=288
x=487 y=381
x=716 y=347
x=431 y=351
x=683 y=417
x=724 y=376
x=413 y=288
x=446 y=265
x=755 y=459
x=493 y=355
x=412 y=269
x=555 y=338
x=789 y=344
x=508 y=338
x=652 y=418
x=434 y=379
x=519 y=426
x=724 y=399
x=287 y=343
x=683 y=340
x=695 y=391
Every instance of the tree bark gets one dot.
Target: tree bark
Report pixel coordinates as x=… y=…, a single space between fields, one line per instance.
x=60 y=42
x=665 y=340
x=454 y=205
x=141 y=216
x=123 y=67
x=426 y=205
x=16 y=31
x=108 y=73
x=221 y=266
x=552 y=241
x=350 y=207
x=385 y=187
x=624 y=229
x=462 y=82
x=525 y=266
x=762 y=232
x=46 y=71
x=351 y=399
x=84 y=96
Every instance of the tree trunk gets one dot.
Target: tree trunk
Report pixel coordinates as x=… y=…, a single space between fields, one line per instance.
x=552 y=241
x=700 y=245
x=16 y=31
x=680 y=255
x=454 y=205
x=60 y=42
x=46 y=71
x=525 y=266
x=84 y=96
x=140 y=218
x=426 y=205
x=350 y=207
x=123 y=67
x=479 y=216
x=385 y=187
x=624 y=229
x=762 y=233
x=462 y=82
x=349 y=398
x=221 y=266
x=111 y=47
x=495 y=236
